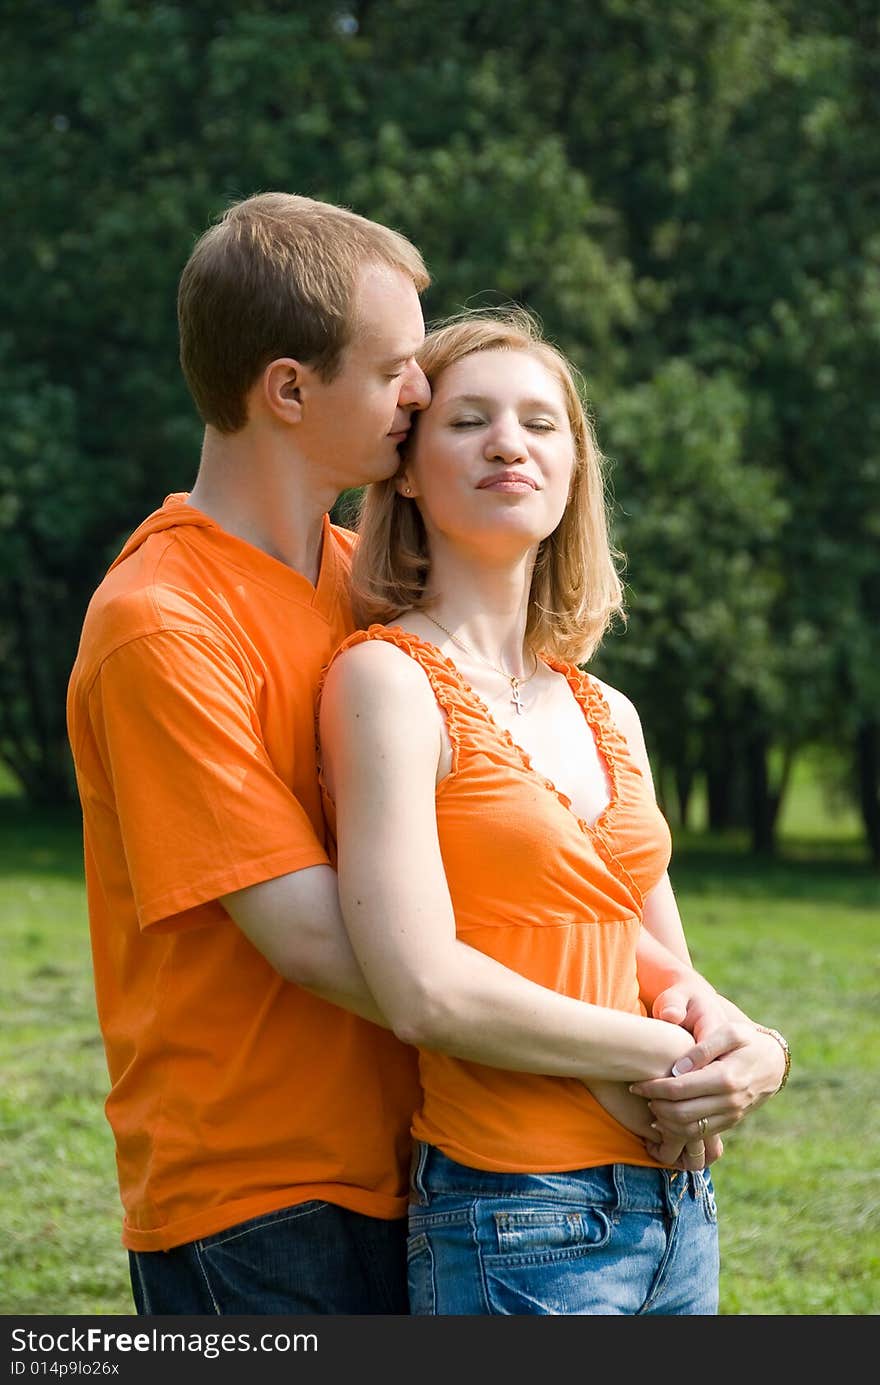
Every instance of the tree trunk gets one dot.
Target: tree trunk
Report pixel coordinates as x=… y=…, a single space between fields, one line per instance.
x=762 y=817
x=684 y=783
x=723 y=780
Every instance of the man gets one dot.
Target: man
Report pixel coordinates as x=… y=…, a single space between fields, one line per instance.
x=261 y=1131
x=259 y=1104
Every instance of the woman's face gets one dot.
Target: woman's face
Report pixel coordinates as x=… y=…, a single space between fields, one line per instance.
x=492 y=458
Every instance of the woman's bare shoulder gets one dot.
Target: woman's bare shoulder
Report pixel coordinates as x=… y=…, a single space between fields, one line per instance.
x=377 y=676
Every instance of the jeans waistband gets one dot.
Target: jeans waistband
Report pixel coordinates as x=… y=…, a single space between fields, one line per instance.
x=618 y=1187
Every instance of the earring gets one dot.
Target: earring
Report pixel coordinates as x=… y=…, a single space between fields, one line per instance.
x=407 y=490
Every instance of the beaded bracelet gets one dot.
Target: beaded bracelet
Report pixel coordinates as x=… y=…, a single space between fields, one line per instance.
x=783 y=1044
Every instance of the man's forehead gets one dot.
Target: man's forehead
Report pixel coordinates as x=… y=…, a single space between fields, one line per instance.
x=392 y=342
x=388 y=312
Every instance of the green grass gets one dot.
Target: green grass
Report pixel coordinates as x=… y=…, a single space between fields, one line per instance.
x=796 y=945
x=60 y=1250
x=795 y=942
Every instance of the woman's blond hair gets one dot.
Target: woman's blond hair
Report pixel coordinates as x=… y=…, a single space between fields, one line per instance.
x=576 y=590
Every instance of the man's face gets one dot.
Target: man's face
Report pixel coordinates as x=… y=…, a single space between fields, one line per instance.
x=353 y=426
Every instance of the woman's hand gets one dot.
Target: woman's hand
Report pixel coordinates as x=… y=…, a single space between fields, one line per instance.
x=729 y=1073
x=693 y=1005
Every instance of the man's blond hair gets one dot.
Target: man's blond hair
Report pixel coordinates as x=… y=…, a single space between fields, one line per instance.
x=276 y=276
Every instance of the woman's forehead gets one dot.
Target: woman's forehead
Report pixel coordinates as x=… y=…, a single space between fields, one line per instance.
x=498 y=371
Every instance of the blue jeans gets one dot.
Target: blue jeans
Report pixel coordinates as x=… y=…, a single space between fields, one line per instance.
x=611 y=1240
x=310 y=1258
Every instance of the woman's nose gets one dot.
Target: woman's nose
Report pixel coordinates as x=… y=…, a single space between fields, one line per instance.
x=504 y=443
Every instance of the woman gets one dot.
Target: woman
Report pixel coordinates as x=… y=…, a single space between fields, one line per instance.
x=502 y=864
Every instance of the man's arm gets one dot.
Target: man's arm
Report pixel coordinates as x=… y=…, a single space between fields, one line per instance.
x=296 y=922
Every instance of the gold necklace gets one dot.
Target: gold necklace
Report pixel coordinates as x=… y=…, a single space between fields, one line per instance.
x=515 y=683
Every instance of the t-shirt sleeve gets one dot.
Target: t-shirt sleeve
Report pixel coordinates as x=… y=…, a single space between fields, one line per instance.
x=201 y=809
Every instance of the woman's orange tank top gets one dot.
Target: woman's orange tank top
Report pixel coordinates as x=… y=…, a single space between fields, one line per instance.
x=549 y=895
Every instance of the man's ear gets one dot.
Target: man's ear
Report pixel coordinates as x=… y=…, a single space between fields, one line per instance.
x=284 y=383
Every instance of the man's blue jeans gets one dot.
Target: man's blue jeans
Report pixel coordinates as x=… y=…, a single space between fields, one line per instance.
x=611 y=1240
x=310 y=1258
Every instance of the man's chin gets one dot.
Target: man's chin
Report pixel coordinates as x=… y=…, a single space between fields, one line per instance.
x=384 y=464
x=387 y=467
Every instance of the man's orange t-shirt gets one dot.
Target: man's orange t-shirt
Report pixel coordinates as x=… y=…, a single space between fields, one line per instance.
x=191 y=720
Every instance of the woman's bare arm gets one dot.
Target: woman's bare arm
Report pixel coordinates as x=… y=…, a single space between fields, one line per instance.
x=381 y=744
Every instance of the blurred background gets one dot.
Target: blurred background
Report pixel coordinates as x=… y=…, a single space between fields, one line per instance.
x=687 y=194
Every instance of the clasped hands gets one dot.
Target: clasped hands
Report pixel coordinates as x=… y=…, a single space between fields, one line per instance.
x=732 y=1069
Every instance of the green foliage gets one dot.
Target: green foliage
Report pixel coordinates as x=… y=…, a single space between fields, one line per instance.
x=686 y=195
x=44 y=505
x=700 y=521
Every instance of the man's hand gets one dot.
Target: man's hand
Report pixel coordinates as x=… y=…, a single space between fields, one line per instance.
x=692 y=1156
x=694 y=1005
x=635 y=1113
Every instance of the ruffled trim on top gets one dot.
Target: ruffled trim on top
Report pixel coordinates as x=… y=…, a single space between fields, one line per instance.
x=469 y=722
x=440 y=672
x=614 y=751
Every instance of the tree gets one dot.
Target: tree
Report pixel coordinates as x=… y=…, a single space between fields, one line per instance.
x=127 y=128
x=698 y=521
x=687 y=195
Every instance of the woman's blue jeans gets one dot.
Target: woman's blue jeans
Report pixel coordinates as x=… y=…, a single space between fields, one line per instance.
x=611 y=1240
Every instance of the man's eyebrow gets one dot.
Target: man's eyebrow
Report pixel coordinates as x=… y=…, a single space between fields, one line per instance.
x=402 y=357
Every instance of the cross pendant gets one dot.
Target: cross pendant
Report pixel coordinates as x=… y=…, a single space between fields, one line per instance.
x=515 y=697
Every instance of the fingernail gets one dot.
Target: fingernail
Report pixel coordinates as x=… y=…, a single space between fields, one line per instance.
x=683 y=1065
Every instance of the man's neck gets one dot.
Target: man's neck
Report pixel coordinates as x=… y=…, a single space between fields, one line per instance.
x=266 y=499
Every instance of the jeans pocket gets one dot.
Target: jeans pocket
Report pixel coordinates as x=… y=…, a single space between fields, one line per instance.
x=420 y=1277
x=540 y=1233
x=543 y=1259
x=241 y=1230
x=255 y=1262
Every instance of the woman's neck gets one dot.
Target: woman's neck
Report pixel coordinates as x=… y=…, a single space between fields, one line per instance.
x=483 y=608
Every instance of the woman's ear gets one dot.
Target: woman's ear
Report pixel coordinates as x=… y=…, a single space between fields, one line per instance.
x=404 y=486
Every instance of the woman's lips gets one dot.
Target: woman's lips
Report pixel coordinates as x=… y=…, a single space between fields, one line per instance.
x=507 y=482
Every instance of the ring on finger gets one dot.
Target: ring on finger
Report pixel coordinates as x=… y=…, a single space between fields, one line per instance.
x=703 y=1126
